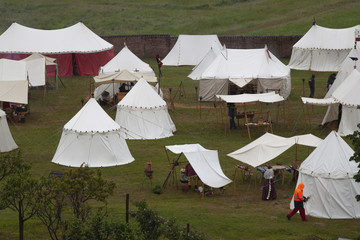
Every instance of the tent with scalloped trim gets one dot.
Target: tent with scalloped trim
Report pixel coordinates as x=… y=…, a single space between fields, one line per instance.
x=92 y=138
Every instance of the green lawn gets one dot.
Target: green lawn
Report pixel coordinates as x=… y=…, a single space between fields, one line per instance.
x=232 y=215
x=222 y=17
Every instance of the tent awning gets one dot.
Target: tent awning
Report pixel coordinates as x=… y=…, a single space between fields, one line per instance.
x=123 y=76
x=319 y=102
x=205 y=163
x=269 y=146
x=270 y=97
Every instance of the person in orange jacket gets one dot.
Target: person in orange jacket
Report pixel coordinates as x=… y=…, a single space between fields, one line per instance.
x=299 y=200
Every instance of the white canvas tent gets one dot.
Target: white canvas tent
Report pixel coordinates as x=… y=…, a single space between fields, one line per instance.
x=327 y=175
x=346 y=94
x=269 y=146
x=143 y=114
x=91 y=137
x=242 y=66
x=190 y=49
x=90 y=50
x=322 y=49
x=125 y=60
x=346 y=68
x=7 y=142
x=13 y=81
x=36 y=68
x=205 y=163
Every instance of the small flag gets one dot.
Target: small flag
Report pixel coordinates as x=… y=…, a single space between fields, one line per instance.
x=268 y=53
x=159 y=61
x=354 y=58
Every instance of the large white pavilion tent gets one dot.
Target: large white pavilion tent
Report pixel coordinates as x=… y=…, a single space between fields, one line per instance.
x=322 y=49
x=241 y=66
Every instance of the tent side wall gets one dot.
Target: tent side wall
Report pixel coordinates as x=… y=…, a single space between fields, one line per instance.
x=320 y=60
x=209 y=88
x=7 y=142
x=330 y=198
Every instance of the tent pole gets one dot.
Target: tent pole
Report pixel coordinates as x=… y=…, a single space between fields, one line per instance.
x=203 y=192
x=234 y=194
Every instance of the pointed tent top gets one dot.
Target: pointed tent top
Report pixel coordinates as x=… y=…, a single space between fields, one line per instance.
x=91 y=118
x=330 y=159
x=314 y=21
x=142 y=95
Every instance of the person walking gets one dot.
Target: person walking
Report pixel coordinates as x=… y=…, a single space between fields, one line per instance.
x=299 y=200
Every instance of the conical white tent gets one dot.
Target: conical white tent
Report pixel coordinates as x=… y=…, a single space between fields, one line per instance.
x=190 y=49
x=143 y=114
x=7 y=142
x=327 y=175
x=91 y=137
x=125 y=60
x=242 y=66
x=322 y=49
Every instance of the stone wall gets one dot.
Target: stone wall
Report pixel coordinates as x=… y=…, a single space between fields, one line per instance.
x=152 y=44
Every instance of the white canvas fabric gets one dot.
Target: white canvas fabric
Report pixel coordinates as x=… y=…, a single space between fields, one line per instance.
x=36 y=68
x=126 y=59
x=13 y=81
x=7 y=142
x=191 y=49
x=319 y=102
x=143 y=114
x=327 y=175
x=242 y=66
x=270 y=97
x=205 y=163
x=269 y=146
x=322 y=49
x=209 y=88
x=74 y=39
x=91 y=137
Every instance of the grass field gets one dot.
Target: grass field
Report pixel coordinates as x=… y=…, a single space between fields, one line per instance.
x=232 y=215
x=239 y=214
x=222 y=17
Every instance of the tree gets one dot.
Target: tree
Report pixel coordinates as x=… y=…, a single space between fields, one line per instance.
x=83 y=184
x=355 y=137
x=51 y=202
x=9 y=162
x=74 y=189
x=18 y=192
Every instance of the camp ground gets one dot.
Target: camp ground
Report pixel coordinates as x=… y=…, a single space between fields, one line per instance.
x=173 y=147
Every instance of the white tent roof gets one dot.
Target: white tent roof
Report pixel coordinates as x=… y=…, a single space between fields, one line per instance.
x=74 y=39
x=142 y=96
x=269 y=146
x=205 y=163
x=190 y=49
x=91 y=137
x=348 y=92
x=322 y=49
x=13 y=81
x=123 y=76
x=245 y=64
x=36 y=68
x=346 y=67
x=126 y=59
x=143 y=114
x=204 y=63
x=327 y=175
x=320 y=102
x=242 y=66
x=270 y=97
x=7 y=142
